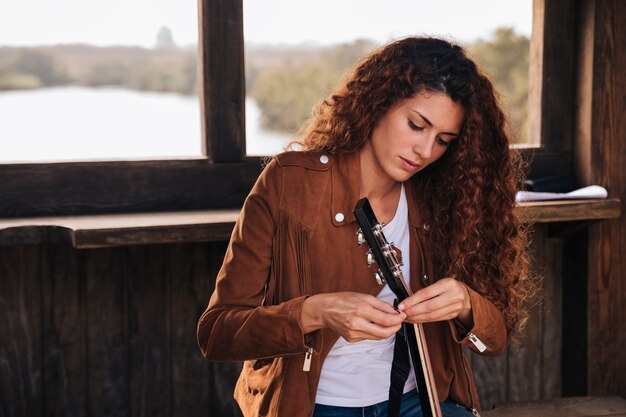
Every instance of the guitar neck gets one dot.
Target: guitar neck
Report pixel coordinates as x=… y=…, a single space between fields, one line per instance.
x=425 y=379
x=389 y=265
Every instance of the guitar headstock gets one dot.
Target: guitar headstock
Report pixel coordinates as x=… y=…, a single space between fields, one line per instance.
x=380 y=250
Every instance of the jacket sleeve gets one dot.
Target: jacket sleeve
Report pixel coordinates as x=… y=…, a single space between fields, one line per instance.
x=489 y=335
x=236 y=325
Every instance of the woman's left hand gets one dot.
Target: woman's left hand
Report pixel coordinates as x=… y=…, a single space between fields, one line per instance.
x=444 y=299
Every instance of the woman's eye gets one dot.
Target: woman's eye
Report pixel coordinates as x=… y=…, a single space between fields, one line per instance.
x=414 y=126
x=442 y=142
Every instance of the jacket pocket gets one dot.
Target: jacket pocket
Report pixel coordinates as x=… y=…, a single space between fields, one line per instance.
x=259 y=390
x=260 y=375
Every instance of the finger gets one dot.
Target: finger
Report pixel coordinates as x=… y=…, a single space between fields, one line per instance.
x=443 y=300
x=373 y=331
x=381 y=306
x=382 y=318
x=445 y=313
x=434 y=290
x=349 y=310
x=420 y=296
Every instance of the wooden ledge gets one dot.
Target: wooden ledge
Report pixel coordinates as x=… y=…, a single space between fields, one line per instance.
x=564 y=407
x=106 y=230
x=569 y=210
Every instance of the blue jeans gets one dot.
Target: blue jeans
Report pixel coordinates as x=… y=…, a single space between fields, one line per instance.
x=409 y=407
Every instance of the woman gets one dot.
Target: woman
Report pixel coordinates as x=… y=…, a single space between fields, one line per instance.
x=416 y=129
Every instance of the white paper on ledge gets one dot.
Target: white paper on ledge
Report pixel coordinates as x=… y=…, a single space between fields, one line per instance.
x=592 y=191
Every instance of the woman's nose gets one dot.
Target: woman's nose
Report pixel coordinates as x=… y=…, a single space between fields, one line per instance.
x=424 y=147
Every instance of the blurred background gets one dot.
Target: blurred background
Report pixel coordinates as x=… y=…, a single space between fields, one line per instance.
x=83 y=80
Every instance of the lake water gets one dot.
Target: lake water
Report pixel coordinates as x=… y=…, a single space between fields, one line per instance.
x=76 y=123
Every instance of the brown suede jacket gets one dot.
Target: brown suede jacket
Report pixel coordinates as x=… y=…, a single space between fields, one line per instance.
x=296 y=236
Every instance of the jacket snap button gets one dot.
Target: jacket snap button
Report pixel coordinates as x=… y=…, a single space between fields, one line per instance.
x=426 y=226
x=324 y=159
x=425 y=279
x=339 y=217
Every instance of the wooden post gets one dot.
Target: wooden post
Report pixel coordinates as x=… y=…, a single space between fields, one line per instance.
x=601 y=159
x=222 y=81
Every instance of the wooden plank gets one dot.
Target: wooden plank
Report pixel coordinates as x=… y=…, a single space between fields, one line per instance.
x=584 y=91
x=535 y=74
x=151 y=235
x=21 y=370
x=222 y=79
x=524 y=381
x=63 y=331
x=106 y=298
x=606 y=333
x=123 y=186
x=568 y=210
x=550 y=256
x=574 y=356
x=198 y=387
x=531 y=371
x=557 y=75
x=564 y=407
x=190 y=270
x=606 y=364
x=491 y=379
x=105 y=230
x=149 y=365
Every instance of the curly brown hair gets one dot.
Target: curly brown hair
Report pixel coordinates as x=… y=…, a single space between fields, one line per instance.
x=468 y=195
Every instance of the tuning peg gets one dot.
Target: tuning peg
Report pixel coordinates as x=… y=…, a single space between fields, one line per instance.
x=370 y=257
x=360 y=238
x=380 y=279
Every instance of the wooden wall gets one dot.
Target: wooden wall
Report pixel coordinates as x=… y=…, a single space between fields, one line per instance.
x=108 y=332
x=98 y=332
x=601 y=152
x=532 y=370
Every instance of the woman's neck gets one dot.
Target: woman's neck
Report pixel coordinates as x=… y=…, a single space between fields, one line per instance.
x=382 y=192
x=374 y=184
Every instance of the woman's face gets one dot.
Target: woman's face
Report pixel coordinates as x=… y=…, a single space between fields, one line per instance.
x=413 y=134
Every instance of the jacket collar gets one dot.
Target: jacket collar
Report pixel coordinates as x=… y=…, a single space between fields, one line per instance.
x=346 y=190
x=411 y=198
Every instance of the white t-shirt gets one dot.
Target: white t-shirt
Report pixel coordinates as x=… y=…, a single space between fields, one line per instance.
x=358 y=374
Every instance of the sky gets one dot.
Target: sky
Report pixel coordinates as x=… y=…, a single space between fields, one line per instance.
x=136 y=22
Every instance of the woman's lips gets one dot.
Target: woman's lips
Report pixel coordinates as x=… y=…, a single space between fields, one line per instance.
x=408 y=165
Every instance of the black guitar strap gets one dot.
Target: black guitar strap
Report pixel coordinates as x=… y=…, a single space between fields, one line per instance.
x=400 y=368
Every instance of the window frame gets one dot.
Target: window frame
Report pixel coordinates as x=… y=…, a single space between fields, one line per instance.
x=221 y=178
x=224 y=175
x=551 y=83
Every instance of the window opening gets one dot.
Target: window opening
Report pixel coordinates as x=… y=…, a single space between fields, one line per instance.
x=296 y=53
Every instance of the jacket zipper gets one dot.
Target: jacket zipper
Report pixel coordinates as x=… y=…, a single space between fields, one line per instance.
x=477 y=342
x=472 y=409
x=307 y=358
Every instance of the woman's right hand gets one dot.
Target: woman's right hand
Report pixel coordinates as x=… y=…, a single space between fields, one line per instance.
x=354 y=316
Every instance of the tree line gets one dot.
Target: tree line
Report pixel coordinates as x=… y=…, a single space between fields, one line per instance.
x=287 y=91
x=285 y=82
x=162 y=70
